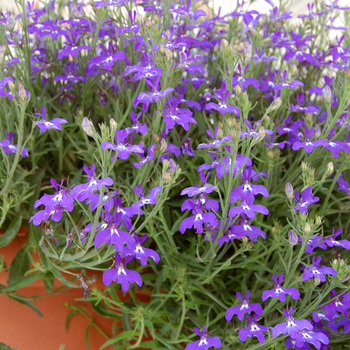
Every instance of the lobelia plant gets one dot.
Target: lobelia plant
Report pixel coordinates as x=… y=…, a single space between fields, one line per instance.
x=170 y=143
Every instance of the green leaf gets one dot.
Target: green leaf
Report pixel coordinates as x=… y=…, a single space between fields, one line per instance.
x=11 y=232
x=25 y=301
x=19 y=266
x=87 y=337
x=152 y=344
x=48 y=280
x=70 y=315
x=26 y=281
x=101 y=309
x=120 y=337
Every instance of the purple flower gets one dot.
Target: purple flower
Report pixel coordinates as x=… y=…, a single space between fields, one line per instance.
x=283 y=84
x=305 y=200
x=253 y=330
x=298 y=108
x=151 y=199
x=209 y=204
x=106 y=200
x=242 y=309
x=187 y=149
x=140 y=252
x=260 y=56
x=309 y=145
x=246 y=206
x=198 y=219
x=61 y=197
x=111 y=234
x=3 y=83
x=247 y=187
x=85 y=191
x=280 y=292
x=9 y=147
x=229 y=236
x=121 y=274
x=291 y=326
x=134 y=27
x=246 y=229
x=148 y=97
x=252 y=131
x=44 y=124
x=204 y=343
x=173 y=115
x=313 y=243
x=343 y=185
x=121 y=147
x=332 y=242
x=339 y=304
x=71 y=48
x=223 y=108
x=137 y=127
x=315 y=271
x=144 y=159
x=184 y=10
x=106 y=59
x=312 y=337
x=216 y=142
x=194 y=191
x=54 y=212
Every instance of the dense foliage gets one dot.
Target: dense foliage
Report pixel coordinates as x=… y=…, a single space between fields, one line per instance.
x=200 y=157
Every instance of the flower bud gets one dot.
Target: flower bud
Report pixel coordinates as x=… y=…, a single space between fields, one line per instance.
x=238 y=90
x=303 y=166
x=156 y=137
x=327 y=94
x=22 y=92
x=87 y=127
x=274 y=105
x=318 y=220
x=247 y=50
x=224 y=43
x=165 y=165
x=293 y=238
x=294 y=71
x=307 y=228
x=166 y=177
x=163 y=145
x=172 y=166
x=330 y=168
x=220 y=134
x=113 y=124
x=168 y=54
x=2 y=53
x=289 y=190
x=148 y=23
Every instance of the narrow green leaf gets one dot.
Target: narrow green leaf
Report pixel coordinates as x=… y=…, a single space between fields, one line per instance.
x=87 y=337
x=120 y=337
x=5 y=347
x=11 y=232
x=25 y=281
x=70 y=315
x=152 y=344
x=25 y=301
x=19 y=266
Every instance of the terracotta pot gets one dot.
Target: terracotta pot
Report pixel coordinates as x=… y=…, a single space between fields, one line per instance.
x=23 y=328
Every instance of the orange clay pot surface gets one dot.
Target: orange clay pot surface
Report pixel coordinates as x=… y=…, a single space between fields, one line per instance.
x=23 y=328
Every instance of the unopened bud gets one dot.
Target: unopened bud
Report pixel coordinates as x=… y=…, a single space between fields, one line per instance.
x=163 y=145
x=238 y=90
x=266 y=120
x=166 y=177
x=307 y=228
x=318 y=220
x=293 y=238
x=87 y=127
x=216 y=48
x=289 y=190
x=165 y=165
x=303 y=166
x=261 y=135
x=317 y=132
x=247 y=50
x=274 y=105
x=172 y=166
x=148 y=23
x=224 y=43
x=330 y=168
x=245 y=239
x=168 y=54
x=113 y=124
x=220 y=133
x=22 y=92
x=294 y=71
x=327 y=94
x=2 y=53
